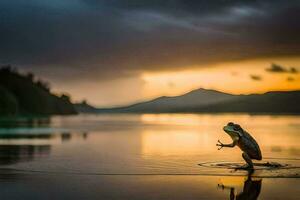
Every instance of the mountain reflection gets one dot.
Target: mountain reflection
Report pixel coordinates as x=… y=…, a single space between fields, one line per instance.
x=7 y=137
x=15 y=148
x=19 y=143
x=28 y=122
x=11 y=154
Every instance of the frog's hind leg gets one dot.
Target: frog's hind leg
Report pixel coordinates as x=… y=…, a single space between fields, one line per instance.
x=248 y=160
x=248 y=166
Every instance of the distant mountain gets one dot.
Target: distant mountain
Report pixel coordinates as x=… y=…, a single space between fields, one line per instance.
x=270 y=102
x=211 y=101
x=22 y=95
x=195 y=98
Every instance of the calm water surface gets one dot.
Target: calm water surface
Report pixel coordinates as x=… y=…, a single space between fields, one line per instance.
x=149 y=156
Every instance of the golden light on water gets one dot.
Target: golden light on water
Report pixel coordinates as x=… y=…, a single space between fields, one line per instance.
x=233 y=181
x=176 y=119
x=198 y=134
x=172 y=142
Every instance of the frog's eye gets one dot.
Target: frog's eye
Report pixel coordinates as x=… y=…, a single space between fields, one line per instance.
x=237 y=128
x=230 y=124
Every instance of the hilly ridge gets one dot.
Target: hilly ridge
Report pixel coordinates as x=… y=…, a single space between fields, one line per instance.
x=211 y=101
x=22 y=95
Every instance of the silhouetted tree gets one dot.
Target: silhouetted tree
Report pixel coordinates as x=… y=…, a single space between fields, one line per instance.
x=30 y=76
x=65 y=97
x=84 y=102
x=43 y=85
x=6 y=68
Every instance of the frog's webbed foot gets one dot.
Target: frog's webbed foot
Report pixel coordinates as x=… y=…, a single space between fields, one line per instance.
x=249 y=166
x=244 y=167
x=220 y=144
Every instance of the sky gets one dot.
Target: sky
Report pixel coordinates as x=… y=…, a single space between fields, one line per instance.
x=116 y=52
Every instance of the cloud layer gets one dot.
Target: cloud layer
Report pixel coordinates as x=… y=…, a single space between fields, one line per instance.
x=280 y=69
x=118 y=38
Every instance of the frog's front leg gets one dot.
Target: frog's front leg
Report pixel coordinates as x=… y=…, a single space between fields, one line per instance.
x=221 y=145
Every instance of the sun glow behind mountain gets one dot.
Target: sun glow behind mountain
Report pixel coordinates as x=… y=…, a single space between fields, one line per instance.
x=231 y=77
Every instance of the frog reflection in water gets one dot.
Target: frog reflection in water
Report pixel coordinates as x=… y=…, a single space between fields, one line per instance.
x=250 y=191
x=244 y=141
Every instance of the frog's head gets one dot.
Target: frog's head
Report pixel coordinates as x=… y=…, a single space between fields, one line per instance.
x=233 y=130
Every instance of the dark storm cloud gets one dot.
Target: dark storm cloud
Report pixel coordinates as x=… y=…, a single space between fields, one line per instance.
x=280 y=69
x=255 y=77
x=276 y=68
x=290 y=79
x=116 y=38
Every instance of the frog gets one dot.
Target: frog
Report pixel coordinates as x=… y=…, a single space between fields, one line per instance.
x=242 y=139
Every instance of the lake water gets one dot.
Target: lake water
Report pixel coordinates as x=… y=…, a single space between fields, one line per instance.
x=147 y=156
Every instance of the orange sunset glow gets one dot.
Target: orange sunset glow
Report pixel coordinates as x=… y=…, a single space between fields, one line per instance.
x=227 y=77
x=230 y=77
x=150 y=99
